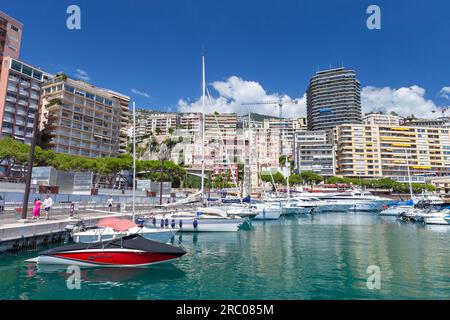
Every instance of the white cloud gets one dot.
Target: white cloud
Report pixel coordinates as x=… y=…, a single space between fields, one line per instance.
x=230 y=94
x=445 y=93
x=140 y=93
x=404 y=101
x=82 y=75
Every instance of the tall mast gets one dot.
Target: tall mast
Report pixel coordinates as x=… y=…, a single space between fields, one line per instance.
x=203 y=126
x=409 y=175
x=134 y=157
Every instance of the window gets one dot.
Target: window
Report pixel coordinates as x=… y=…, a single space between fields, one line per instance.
x=69 y=89
x=16 y=66
x=37 y=75
x=27 y=70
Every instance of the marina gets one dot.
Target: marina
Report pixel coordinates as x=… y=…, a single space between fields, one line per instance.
x=299 y=257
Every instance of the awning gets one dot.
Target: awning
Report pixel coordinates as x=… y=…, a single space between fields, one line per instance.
x=117 y=224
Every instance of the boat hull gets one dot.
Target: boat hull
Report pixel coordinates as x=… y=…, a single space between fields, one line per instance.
x=209 y=225
x=106 y=259
x=296 y=210
x=268 y=214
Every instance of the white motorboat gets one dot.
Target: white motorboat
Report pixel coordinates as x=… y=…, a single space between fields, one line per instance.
x=437 y=217
x=296 y=207
x=270 y=210
x=316 y=205
x=106 y=232
x=358 y=200
x=202 y=220
x=395 y=211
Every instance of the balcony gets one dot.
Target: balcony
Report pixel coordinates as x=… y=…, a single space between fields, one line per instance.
x=8 y=119
x=24 y=84
x=34 y=96
x=20 y=122
x=11 y=99
x=24 y=93
x=35 y=87
x=30 y=125
x=23 y=103
x=13 y=79
x=6 y=130
x=34 y=106
x=21 y=113
x=12 y=89
x=10 y=109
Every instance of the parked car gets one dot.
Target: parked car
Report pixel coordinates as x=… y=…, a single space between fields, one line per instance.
x=2 y=204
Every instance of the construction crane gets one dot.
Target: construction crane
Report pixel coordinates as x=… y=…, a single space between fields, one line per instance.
x=280 y=103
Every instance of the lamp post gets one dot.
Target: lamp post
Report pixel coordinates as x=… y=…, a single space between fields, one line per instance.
x=30 y=168
x=162 y=155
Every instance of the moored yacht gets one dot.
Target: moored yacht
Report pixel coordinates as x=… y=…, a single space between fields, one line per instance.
x=200 y=220
x=358 y=200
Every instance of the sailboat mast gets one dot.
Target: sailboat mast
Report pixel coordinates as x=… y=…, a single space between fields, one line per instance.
x=409 y=174
x=134 y=157
x=203 y=126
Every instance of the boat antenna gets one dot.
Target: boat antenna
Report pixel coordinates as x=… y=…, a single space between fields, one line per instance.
x=134 y=158
x=203 y=128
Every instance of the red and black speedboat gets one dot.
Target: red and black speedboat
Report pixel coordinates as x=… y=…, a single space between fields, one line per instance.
x=128 y=251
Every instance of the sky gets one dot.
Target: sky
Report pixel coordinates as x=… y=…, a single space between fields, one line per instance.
x=256 y=51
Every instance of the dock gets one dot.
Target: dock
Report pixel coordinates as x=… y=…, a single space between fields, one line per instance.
x=30 y=234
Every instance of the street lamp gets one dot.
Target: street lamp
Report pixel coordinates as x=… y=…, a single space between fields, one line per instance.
x=163 y=154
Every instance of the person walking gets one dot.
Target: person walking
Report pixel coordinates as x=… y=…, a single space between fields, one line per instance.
x=37 y=208
x=110 y=203
x=48 y=203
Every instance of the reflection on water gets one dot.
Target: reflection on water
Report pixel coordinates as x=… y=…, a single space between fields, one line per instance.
x=321 y=257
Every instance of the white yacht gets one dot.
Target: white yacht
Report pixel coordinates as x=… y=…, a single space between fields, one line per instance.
x=358 y=200
x=201 y=220
x=266 y=210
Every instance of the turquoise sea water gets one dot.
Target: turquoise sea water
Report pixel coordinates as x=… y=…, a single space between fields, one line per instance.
x=322 y=257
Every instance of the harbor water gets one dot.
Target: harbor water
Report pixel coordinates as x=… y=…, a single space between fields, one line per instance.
x=326 y=256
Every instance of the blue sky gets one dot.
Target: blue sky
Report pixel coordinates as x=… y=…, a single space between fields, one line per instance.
x=154 y=47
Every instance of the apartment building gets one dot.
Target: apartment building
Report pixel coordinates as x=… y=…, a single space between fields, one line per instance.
x=315 y=152
x=20 y=94
x=333 y=97
x=81 y=119
x=382 y=119
x=376 y=151
x=285 y=129
x=10 y=37
x=157 y=123
x=124 y=102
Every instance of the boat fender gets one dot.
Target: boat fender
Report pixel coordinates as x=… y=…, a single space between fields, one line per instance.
x=166 y=222
x=195 y=223
x=173 y=223
x=162 y=223
x=154 y=221
x=180 y=223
